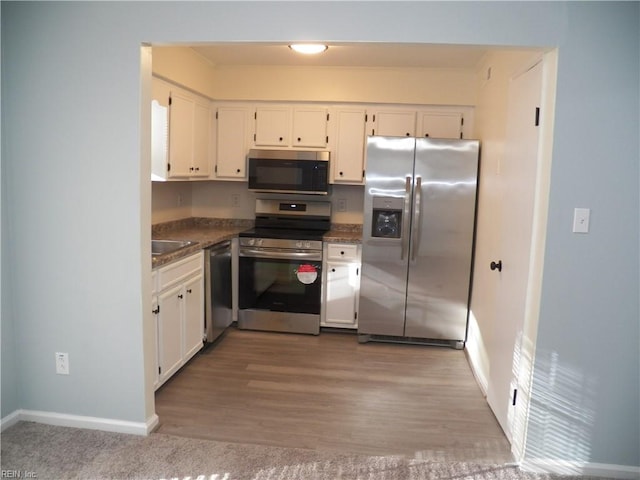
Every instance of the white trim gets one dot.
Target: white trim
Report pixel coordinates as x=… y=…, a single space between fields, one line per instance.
x=80 y=421
x=10 y=420
x=478 y=374
x=563 y=467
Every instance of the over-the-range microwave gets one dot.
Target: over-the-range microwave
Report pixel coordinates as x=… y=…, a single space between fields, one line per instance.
x=289 y=171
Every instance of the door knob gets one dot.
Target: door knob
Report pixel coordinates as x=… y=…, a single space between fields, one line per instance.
x=496 y=266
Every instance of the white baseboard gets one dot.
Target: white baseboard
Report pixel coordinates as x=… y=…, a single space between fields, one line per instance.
x=10 y=420
x=581 y=468
x=80 y=421
x=474 y=364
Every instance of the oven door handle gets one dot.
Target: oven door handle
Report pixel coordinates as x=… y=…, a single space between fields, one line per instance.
x=279 y=254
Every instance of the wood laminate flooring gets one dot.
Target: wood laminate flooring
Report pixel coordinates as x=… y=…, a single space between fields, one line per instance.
x=329 y=392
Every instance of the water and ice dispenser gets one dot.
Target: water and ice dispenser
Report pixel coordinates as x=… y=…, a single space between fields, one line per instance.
x=387 y=217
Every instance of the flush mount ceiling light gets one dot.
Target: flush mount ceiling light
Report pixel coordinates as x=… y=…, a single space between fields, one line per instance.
x=308 y=48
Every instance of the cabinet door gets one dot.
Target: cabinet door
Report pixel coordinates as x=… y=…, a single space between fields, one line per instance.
x=341 y=298
x=309 y=127
x=394 y=123
x=232 y=142
x=170 y=331
x=156 y=320
x=348 y=154
x=201 y=131
x=181 y=125
x=440 y=124
x=273 y=125
x=193 y=316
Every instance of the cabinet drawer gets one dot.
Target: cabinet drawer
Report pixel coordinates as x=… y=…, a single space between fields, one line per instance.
x=178 y=271
x=339 y=251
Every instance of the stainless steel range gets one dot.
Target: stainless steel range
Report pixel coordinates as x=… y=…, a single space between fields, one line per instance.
x=280 y=267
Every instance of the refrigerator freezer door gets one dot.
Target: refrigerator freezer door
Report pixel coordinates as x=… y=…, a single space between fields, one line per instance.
x=443 y=228
x=385 y=259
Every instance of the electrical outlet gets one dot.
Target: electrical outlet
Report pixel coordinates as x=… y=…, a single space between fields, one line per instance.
x=342 y=204
x=235 y=200
x=62 y=363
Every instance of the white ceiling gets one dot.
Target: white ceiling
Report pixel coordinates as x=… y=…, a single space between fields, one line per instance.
x=344 y=55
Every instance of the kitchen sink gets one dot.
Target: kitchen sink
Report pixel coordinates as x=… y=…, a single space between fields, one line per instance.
x=161 y=247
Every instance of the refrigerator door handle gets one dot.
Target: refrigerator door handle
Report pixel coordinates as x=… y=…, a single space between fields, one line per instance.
x=405 y=224
x=417 y=219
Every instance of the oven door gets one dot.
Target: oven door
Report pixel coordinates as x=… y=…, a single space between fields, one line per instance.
x=279 y=290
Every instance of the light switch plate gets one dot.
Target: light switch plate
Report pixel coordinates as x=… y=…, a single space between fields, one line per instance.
x=581 y=220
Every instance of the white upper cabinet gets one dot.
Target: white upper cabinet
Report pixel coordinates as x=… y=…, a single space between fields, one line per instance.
x=440 y=124
x=309 y=127
x=232 y=141
x=349 y=136
x=181 y=129
x=273 y=126
x=388 y=122
x=181 y=134
x=290 y=126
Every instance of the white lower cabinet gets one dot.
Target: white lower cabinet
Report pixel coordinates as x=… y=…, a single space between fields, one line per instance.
x=179 y=310
x=342 y=285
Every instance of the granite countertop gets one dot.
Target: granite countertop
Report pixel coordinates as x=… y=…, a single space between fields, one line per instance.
x=205 y=232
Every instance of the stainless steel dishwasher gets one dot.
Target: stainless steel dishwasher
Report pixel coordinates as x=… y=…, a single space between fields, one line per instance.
x=218 y=268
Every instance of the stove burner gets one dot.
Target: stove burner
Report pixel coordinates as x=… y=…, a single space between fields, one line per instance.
x=300 y=220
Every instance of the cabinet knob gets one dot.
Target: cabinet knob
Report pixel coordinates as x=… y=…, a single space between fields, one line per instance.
x=299 y=139
x=426 y=134
x=189 y=290
x=238 y=170
x=180 y=296
x=408 y=134
x=333 y=269
x=496 y=266
x=341 y=174
x=280 y=138
x=341 y=253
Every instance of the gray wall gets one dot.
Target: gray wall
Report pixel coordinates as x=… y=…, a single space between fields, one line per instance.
x=74 y=253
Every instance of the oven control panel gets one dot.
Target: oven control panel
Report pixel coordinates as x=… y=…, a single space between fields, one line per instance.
x=281 y=243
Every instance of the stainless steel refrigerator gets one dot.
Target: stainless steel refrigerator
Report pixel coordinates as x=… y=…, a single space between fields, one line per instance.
x=418 y=236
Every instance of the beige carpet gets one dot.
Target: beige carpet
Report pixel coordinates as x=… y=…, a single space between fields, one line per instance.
x=59 y=453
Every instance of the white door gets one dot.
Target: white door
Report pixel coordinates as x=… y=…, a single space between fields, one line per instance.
x=518 y=181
